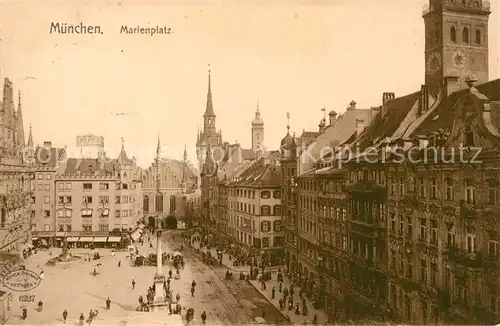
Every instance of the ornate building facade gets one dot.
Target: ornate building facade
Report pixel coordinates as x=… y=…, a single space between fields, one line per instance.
x=16 y=177
x=163 y=182
x=90 y=197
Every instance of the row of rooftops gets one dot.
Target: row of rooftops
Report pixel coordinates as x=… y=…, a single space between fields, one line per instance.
x=399 y=119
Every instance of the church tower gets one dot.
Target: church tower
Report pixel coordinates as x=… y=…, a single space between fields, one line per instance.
x=257 y=130
x=456 y=42
x=209 y=134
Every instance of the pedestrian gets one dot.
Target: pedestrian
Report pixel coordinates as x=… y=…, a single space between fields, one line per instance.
x=280 y=287
x=192 y=291
x=170 y=274
x=24 y=314
x=178 y=297
x=119 y=263
x=40 y=305
x=65 y=315
x=315 y=320
x=133 y=284
x=273 y=292
x=203 y=317
x=42 y=275
x=108 y=303
x=82 y=318
x=291 y=290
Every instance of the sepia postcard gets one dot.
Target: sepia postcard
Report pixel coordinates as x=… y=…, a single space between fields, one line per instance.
x=250 y=162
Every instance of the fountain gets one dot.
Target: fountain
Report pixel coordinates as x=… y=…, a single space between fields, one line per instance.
x=64 y=257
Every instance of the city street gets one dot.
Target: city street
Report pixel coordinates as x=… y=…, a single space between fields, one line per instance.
x=73 y=287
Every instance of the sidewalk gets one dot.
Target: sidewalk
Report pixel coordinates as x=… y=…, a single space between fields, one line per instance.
x=296 y=319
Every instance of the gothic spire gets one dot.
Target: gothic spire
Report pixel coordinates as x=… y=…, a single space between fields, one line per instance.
x=20 y=123
x=30 y=140
x=209 y=110
x=158 y=148
x=123 y=158
x=185 y=154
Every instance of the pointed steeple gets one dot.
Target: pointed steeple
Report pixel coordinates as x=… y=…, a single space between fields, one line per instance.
x=30 y=140
x=122 y=157
x=20 y=123
x=158 y=148
x=257 y=121
x=209 y=110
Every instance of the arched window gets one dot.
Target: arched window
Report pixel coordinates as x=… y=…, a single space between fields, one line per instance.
x=478 y=36
x=453 y=34
x=159 y=202
x=172 y=204
x=469 y=137
x=465 y=35
x=145 y=204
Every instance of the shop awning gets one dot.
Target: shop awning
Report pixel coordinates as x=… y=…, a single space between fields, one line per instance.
x=114 y=239
x=34 y=238
x=100 y=239
x=86 y=239
x=72 y=239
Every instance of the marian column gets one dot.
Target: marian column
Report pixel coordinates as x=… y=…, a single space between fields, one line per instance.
x=159 y=258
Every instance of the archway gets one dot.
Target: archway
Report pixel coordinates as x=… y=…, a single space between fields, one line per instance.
x=171 y=222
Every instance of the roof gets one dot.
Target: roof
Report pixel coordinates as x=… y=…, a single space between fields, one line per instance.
x=385 y=125
x=122 y=157
x=334 y=134
x=48 y=156
x=260 y=173
x=443 y=116
x=247 y=154
x=178 y=168
x=88 y=166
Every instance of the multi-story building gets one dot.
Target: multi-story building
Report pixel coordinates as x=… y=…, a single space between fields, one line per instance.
x=163 y=182
x=16 y=177
x=254 y=207
x=91 y=197
x=426 y=188
x=45 y=162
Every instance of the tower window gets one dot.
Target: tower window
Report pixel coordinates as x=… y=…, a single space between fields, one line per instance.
x=453 y=34
x=478 y=36
x=469 y=137
x=465 y=35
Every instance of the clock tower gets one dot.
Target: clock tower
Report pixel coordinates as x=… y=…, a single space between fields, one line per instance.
x=456 y=41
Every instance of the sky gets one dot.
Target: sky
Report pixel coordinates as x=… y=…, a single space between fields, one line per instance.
x=295 y=57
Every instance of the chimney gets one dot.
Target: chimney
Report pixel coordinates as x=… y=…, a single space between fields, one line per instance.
x=47 y=144
x=386 y=97
x=352 y=105
x=451 y=85
x=360 y=126
x=424 y=99
x=374 y=111
x=333 y=116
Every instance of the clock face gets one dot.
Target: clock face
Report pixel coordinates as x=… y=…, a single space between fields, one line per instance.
x=458 y=60
x=433 y=62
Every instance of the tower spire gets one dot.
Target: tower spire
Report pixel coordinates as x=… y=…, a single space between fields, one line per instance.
x=185 y=153
x=209 y=110
x=288 y=122
x=30 y=139
x=158 y=148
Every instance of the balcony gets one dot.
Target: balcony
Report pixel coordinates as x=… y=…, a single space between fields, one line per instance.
x=465 y=258
x=467 y=210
